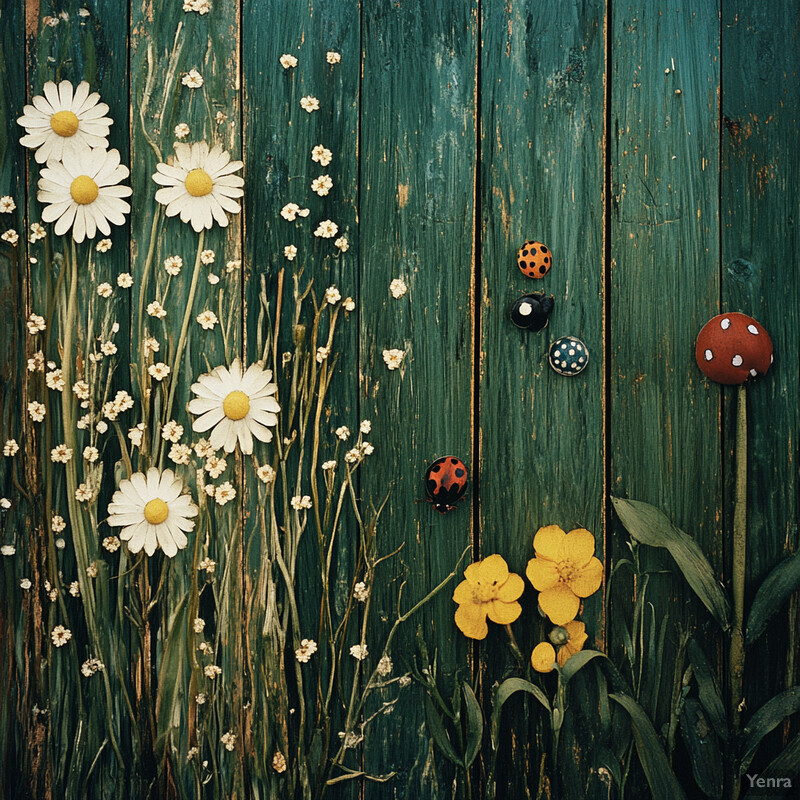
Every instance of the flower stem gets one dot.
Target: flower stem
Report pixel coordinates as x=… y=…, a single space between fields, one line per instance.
x=512 y=642
x=736 y=662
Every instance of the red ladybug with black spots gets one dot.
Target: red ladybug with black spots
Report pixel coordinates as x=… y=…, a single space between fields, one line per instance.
x=445 y=483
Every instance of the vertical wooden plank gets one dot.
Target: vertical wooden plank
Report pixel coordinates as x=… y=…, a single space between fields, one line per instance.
x=168 y=41
x=542 y=178
x=418 y=118
x=761 y=277
x=76 y=42
x=279 y=137
x=22 y=736
x=664 y=237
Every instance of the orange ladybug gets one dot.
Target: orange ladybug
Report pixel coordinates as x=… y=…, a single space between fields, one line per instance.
x=534 y=259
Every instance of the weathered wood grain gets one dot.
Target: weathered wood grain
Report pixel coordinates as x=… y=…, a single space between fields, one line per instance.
x=418 y=174
x=664 y=284
x=279 y=136
x=760 y=277
x=542 y=178
x=166 y=43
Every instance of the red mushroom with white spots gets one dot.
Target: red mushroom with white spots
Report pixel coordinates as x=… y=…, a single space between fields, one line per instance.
x=732 y=348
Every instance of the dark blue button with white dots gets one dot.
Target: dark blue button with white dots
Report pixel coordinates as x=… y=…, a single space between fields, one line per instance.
x=568 y=355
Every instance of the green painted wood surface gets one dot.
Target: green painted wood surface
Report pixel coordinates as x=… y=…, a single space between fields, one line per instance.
x=664 y=286
x=758 y=211
x=458 y=130
x=542 y=177
x=417 y=206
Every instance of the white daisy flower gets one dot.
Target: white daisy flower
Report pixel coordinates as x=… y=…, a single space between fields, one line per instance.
x=83 y=193
x=64 y=122
x=152 y=511
x=236 y=404
x=309 y=103
x=321 y=155
x=200 y=185
x=287 y=61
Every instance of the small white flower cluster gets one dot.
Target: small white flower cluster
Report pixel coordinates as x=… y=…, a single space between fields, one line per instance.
x=55 y=380
x=360 y=592
x=10 y=236
x=199 y=6
x=393 y=358
x=326 y=229
x=193 y=79
x=158 y=371
x=61 y=454
x=92 y=666
x=60 y=635
x=37 y=232
x=301 y=502
x=266 y=473
x=307 y=648
x=113 y=408
x=322 y=185
x=398 y=288
x=207 y=320
x=309 y=103
x=229 y=740
x=10 y=448
x=359 y=651
x=287 y=61
x=35 y=324
x=291 y=211
x=172 y=265
x=103 y=246
x=171 y=431
x=211 y=671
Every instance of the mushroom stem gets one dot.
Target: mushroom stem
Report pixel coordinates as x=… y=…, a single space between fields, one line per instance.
x=736 y=665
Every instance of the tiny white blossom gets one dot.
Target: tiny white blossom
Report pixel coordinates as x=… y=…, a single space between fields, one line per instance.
x=35 y=324
x=37 y=232
x=359 y=652
x=103 y=246
x=360 y=592
x=171 y=431
x=91 y=570
x=299 y=502
x=290 y=252
x=181 y=130
x=398 y=288
x=75 y=589
x=232 y=266
x=279 y=762
x=125 y=280
x=111 y=543
x=211 y=671
x=92 y=666
x=10 y=448
x=159 y=371
x=200 y=698
x=203 y=449
x=11 y=236
x=173 y=264
x=55 y=380
x=353 y=455
x=25 y=583
x=367 y=449
x=105 y=290
x=207 y=564
x=307 y=649
x=60 y=635
x=8 y=550
x=84 y=493
x=207 y=257
x=328 y=466
x=108 y=348
x=36 y=362
x=136 y=435
x=321 y=155
x=289 y=211
x=180 y=453
x=309 y=103
x=193 y=79
x=326 y=229
x=229 y=740
x=332 y=57
x=266 y=473
x=91 y=454
x=349 y=304
x=332 y=295
x=7 y=204
x=199 y=625
x=342 y=244
x=365 y=426
x=36 y=410
x=61 y=454
x=101 y=426
x=155 y=309
x=213 y=279
x=342 y=432
x=224 y=493
x=322 y=185
x=288 y=61
x=57 y=523
x=393 y=358
x=215 y=466
x=322 y=354
x=151 y=345
x=385 y=666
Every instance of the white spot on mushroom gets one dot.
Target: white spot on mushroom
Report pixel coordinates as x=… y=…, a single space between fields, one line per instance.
x=709 y=355
x=725 y=324
x=753 y=329
x=771 y=358
x=572 y=352
x=754 y=372
x=737 y=361
x=525 y=309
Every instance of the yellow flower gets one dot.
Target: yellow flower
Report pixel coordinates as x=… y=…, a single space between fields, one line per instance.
x=570 y=639
x=489 y=590
x=563 y=571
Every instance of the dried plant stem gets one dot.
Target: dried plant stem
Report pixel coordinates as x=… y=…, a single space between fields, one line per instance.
x=736 y=662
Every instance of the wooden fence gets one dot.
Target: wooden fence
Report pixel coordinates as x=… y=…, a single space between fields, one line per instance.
x=652 y=146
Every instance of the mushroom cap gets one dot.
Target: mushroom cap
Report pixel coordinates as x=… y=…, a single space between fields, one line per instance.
x=568 y=356
x=732 y=348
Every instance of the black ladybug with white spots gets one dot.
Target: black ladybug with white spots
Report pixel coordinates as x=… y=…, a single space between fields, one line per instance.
x=445 y=483
x=531 y=312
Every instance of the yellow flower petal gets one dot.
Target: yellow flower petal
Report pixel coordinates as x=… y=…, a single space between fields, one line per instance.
x=503 y=613
x=493 y=570
x=542 y=574
x=579 y=546
x=559 y=603
x=543 y=657
x=473 y=573
x=577 y=638
x=548 y=542
x=511 y=589
x=463 y=593
x=471 y=620
x=588 y=579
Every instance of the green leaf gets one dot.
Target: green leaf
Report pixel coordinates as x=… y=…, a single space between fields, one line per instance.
x=771 y=595
x=767 y=718
x=703 y=748
x=785 y=765
x=660 y=777
x=708 y=690
x=474 y=725
x=502 y=692
x=648 y=525
x=577 y=662
x=438 y=733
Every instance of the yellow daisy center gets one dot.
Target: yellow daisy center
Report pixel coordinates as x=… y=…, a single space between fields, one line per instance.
x=198 y=183
x=83 y=190
x=156 y=511
x=236 y=405
x=64 y=123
